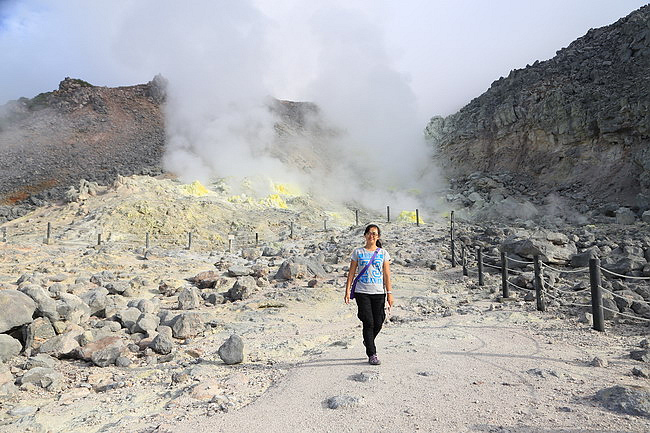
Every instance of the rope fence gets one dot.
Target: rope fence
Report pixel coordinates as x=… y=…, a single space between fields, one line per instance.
x=541 y=284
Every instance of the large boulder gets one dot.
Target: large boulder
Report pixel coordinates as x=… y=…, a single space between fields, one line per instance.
x=623 y=263
x=44 y=303
x=61 y=346
x=626 y=399
x=96 y=300
x=72 y=309
x=300 y=267
x=206 y=279
x=547 y=250
x=103 y=352
x=37 y=332
x=128 y=317
x=47 y=378
x=625 y=216
x=232 y=350
x=147 y=323
x=239 y=271
x=187 y=325
x=17 y=309
x=242 y=289
x=189 y=299
x=9 y=347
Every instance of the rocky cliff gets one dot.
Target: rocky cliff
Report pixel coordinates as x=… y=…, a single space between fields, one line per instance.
x=579 y=121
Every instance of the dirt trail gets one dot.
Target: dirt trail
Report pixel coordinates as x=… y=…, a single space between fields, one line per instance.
x=493 y=370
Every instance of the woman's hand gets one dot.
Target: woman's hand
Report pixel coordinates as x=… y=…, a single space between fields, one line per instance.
x=346 y=298
x=389 y=298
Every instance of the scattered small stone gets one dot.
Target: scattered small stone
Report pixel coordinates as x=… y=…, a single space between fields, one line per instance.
x=343 y=401
x=426 y=373
x=598 y=362
x=365 y=376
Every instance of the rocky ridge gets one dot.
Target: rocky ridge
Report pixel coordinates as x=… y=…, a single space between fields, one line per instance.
x=580 y=120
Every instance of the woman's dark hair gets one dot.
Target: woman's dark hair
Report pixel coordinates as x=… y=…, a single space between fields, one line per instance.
x=368 y=227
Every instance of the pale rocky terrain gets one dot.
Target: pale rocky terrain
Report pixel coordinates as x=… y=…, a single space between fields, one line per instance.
x=124 y=338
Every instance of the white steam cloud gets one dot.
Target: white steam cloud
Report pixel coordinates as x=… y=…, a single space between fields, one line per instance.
x=225 y=61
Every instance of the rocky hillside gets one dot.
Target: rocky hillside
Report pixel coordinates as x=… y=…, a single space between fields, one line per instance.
x=579 y=122
x=80 y=131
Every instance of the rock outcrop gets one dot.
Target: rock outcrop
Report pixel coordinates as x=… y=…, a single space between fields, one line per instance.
x=579 y=120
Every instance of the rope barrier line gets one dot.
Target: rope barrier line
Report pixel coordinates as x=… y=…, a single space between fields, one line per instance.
x=491 y=257
x=565 y=302
x=567 y=291
x=520 y=288
x=614 y=294
x=627 y=315
x=623 y=276
x=519 y=261
x=573 y=271
x=492 y=266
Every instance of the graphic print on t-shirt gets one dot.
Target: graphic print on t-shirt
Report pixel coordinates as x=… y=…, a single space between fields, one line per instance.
x=374 y=274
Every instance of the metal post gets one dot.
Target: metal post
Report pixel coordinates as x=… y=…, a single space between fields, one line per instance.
x=596 y=294
x=463 y=259
x=99 y=239
x=387 y=213
x=539 y=285
x=4 y=234
x=189 y=240
x=504 y=275
x=257 y=239
x=417 y=217
x=453 y=247
x=230 y=245
x=479 y=258
x=49 y=233
x=291 y=232
x=356 y=217
x=146 y=241
x=325 y=224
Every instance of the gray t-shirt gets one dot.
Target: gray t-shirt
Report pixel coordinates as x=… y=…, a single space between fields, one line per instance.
x=372 y=281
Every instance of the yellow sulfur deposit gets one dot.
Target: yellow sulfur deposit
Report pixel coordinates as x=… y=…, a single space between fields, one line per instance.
x=408 y=216
x=274 y=200
x=196 y=189
x=284 y=189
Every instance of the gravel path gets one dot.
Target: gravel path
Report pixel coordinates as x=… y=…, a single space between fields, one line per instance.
x=491 y=370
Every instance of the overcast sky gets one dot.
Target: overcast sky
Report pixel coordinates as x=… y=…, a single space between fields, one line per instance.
x=447 y=51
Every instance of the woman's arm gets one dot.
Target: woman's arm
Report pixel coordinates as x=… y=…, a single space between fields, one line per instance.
x=387 y=283
x=348 y=284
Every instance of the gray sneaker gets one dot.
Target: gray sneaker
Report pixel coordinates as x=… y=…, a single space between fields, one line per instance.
x=373 y=360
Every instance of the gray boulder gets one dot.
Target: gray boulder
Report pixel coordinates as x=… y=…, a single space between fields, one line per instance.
x=162 y=344
x=626 y=399
x=189 y=299
x=96 y=299
x=147 y=323
x=61 y=346
x=44 y=303
x=37 y=332
x=623 y=263
x=625 y=216
x=251 y=253
x=581 y=260
x=239 y=271
x=232 y=350
x=641 y=308
x=41 y=360
x=548 y=251
x=46 y=378
x=187 y=325
x=645 y=217
x=206 y=279
x=103 y=352
x=17 y=309
x=128 y=317
x=625 y=298
x=242 y=289
x=9 y=347
x=72 y=309
x=271 y=252
x=114 y=303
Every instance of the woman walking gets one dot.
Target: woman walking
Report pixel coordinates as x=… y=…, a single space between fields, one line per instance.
x=367 y=288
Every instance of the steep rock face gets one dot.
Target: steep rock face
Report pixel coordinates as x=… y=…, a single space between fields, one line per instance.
x=580 y=119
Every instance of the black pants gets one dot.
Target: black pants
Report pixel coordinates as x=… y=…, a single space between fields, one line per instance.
x=372 y=315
